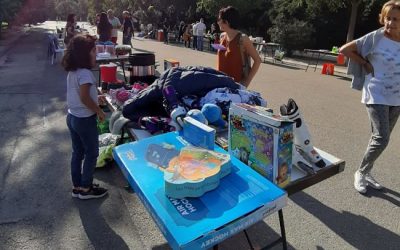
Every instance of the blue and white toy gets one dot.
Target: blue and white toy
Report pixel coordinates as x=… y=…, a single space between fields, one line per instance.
x=197 y=115
x=213 y=114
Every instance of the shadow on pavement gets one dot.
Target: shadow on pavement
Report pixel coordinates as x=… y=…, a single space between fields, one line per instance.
x=286 y=65
x=100 y=234
x=352 y=228
x=385 y=194
x=164 y=246
x=260 y=235
x=344 y=78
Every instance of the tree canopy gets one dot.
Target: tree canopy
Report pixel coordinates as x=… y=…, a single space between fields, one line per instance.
x=293 y=23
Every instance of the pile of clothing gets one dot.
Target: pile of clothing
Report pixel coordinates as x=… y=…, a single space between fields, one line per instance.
x=195 y=86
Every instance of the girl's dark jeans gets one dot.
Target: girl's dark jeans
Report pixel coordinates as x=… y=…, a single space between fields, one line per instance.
x=85 y=147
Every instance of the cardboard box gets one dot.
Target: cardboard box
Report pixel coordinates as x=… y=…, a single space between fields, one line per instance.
x=242 y=198
x=169 y=63
x=198 y=134
x=261 y=140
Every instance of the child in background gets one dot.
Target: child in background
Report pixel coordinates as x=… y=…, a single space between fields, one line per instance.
x=83 y=109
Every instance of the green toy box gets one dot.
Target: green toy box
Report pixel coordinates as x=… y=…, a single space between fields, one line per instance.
x=262 y=140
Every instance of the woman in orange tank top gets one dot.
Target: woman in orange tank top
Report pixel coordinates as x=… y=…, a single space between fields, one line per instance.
x=230 y=59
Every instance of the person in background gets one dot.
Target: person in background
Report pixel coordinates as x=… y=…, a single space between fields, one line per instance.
x=181 y=31
x=214 y=35
x=135 y=24
x=230 y=60
x=127 y=28
x=201 y=29
x=104 y=28
x=97 y=19
x=70 y=31
x=374 y=63
x=166 y=28
x=194 y=34
x=116 y=25
x=149 y=28
x=83 y=109
x=187 y=35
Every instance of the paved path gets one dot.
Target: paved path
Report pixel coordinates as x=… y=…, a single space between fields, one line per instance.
x=36 y=210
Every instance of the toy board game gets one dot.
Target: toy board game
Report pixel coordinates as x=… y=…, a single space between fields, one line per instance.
x=193 y=171
x=242 y=198
x=261 y=140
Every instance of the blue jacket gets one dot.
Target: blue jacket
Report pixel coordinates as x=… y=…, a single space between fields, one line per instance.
x=365 y=46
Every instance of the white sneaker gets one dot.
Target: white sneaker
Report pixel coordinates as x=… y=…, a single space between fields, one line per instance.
x=360 y=184
x=372 y=182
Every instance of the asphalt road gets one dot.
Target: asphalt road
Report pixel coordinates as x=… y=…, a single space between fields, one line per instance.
x=37 y=211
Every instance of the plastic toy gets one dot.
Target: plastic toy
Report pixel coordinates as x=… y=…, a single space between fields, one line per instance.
x=197 y=115
x=213 y=114
x=173 y=106
x=302 y=137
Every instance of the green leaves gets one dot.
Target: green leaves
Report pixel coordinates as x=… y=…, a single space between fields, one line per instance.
x=9 y=8
x=212 y=7
x=65 y=7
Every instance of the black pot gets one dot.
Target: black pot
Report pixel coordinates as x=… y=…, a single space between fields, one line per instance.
x=142 y=59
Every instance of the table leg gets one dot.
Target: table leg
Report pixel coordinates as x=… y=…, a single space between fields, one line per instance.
x=273 y=49
x=123 y=70
x=316 y=64
x=99 y=76
x=308 y=64
x=264 y=50
x=281 y=239
x=283 y=232
x=248 y=239
x=310 y=60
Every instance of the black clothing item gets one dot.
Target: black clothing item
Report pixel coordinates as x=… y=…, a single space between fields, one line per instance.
x=104 y=32
x=194 y=42
x=127 y=25
x=181 y=31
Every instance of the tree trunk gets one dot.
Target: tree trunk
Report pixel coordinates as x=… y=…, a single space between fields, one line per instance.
x=353 y=20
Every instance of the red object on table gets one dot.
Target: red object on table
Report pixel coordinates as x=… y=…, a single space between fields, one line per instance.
x=340 y=59
x=328 y=69
x=108 y=73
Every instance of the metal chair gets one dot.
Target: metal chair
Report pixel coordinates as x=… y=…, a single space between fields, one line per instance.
x=262 y=50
